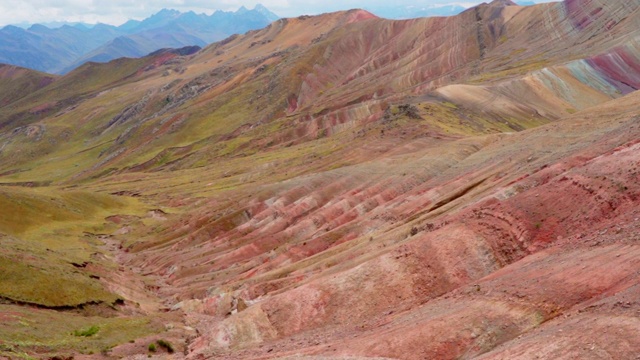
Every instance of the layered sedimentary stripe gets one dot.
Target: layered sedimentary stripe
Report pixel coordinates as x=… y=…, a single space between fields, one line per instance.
x=584 y=13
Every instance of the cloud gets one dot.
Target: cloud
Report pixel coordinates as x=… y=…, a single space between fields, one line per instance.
x=118 y=11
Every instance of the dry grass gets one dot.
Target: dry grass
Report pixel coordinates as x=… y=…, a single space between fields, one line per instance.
x=49 y=332
x=42 y=233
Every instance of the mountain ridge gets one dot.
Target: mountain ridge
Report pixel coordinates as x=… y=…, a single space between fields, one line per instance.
x=62 y=49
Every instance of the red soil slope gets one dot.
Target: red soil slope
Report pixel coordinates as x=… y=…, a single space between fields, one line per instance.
x=514 y=238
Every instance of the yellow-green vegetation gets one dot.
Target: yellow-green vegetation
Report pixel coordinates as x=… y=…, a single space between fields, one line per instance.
x=87 y=79
x=166 y=345
x=47 y=282
x=87 y=332
x=512 y=68
x=43 y=235
x=47 y=332
x=28 y=212
x=449 y=105
x=447 y=118
x=47 y=237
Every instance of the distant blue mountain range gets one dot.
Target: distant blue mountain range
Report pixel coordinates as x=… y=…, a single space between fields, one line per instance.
x=393 y=11
x=410 y=12
x=61 y=47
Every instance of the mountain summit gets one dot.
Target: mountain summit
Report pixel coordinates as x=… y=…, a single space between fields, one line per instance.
x=502 y=3
x=266 y=12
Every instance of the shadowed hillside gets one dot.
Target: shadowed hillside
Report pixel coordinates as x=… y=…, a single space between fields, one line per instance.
x=20 y=82
x=337 y=186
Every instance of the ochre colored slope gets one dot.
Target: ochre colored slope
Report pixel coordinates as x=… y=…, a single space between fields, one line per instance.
x=305 y=78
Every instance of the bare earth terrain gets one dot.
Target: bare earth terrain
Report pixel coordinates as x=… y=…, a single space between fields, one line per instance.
x=333 y=187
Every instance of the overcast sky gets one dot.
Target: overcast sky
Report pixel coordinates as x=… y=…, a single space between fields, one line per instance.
x=117 y=12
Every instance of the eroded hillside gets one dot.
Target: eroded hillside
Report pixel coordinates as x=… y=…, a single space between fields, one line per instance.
x=335 y=186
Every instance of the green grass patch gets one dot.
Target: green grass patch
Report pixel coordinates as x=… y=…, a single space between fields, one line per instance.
x=49 y=283
x=48 y=332
x=90 y=331
x=449 y=105
x=42 y=232
x=166 y=345
x=33 y=209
